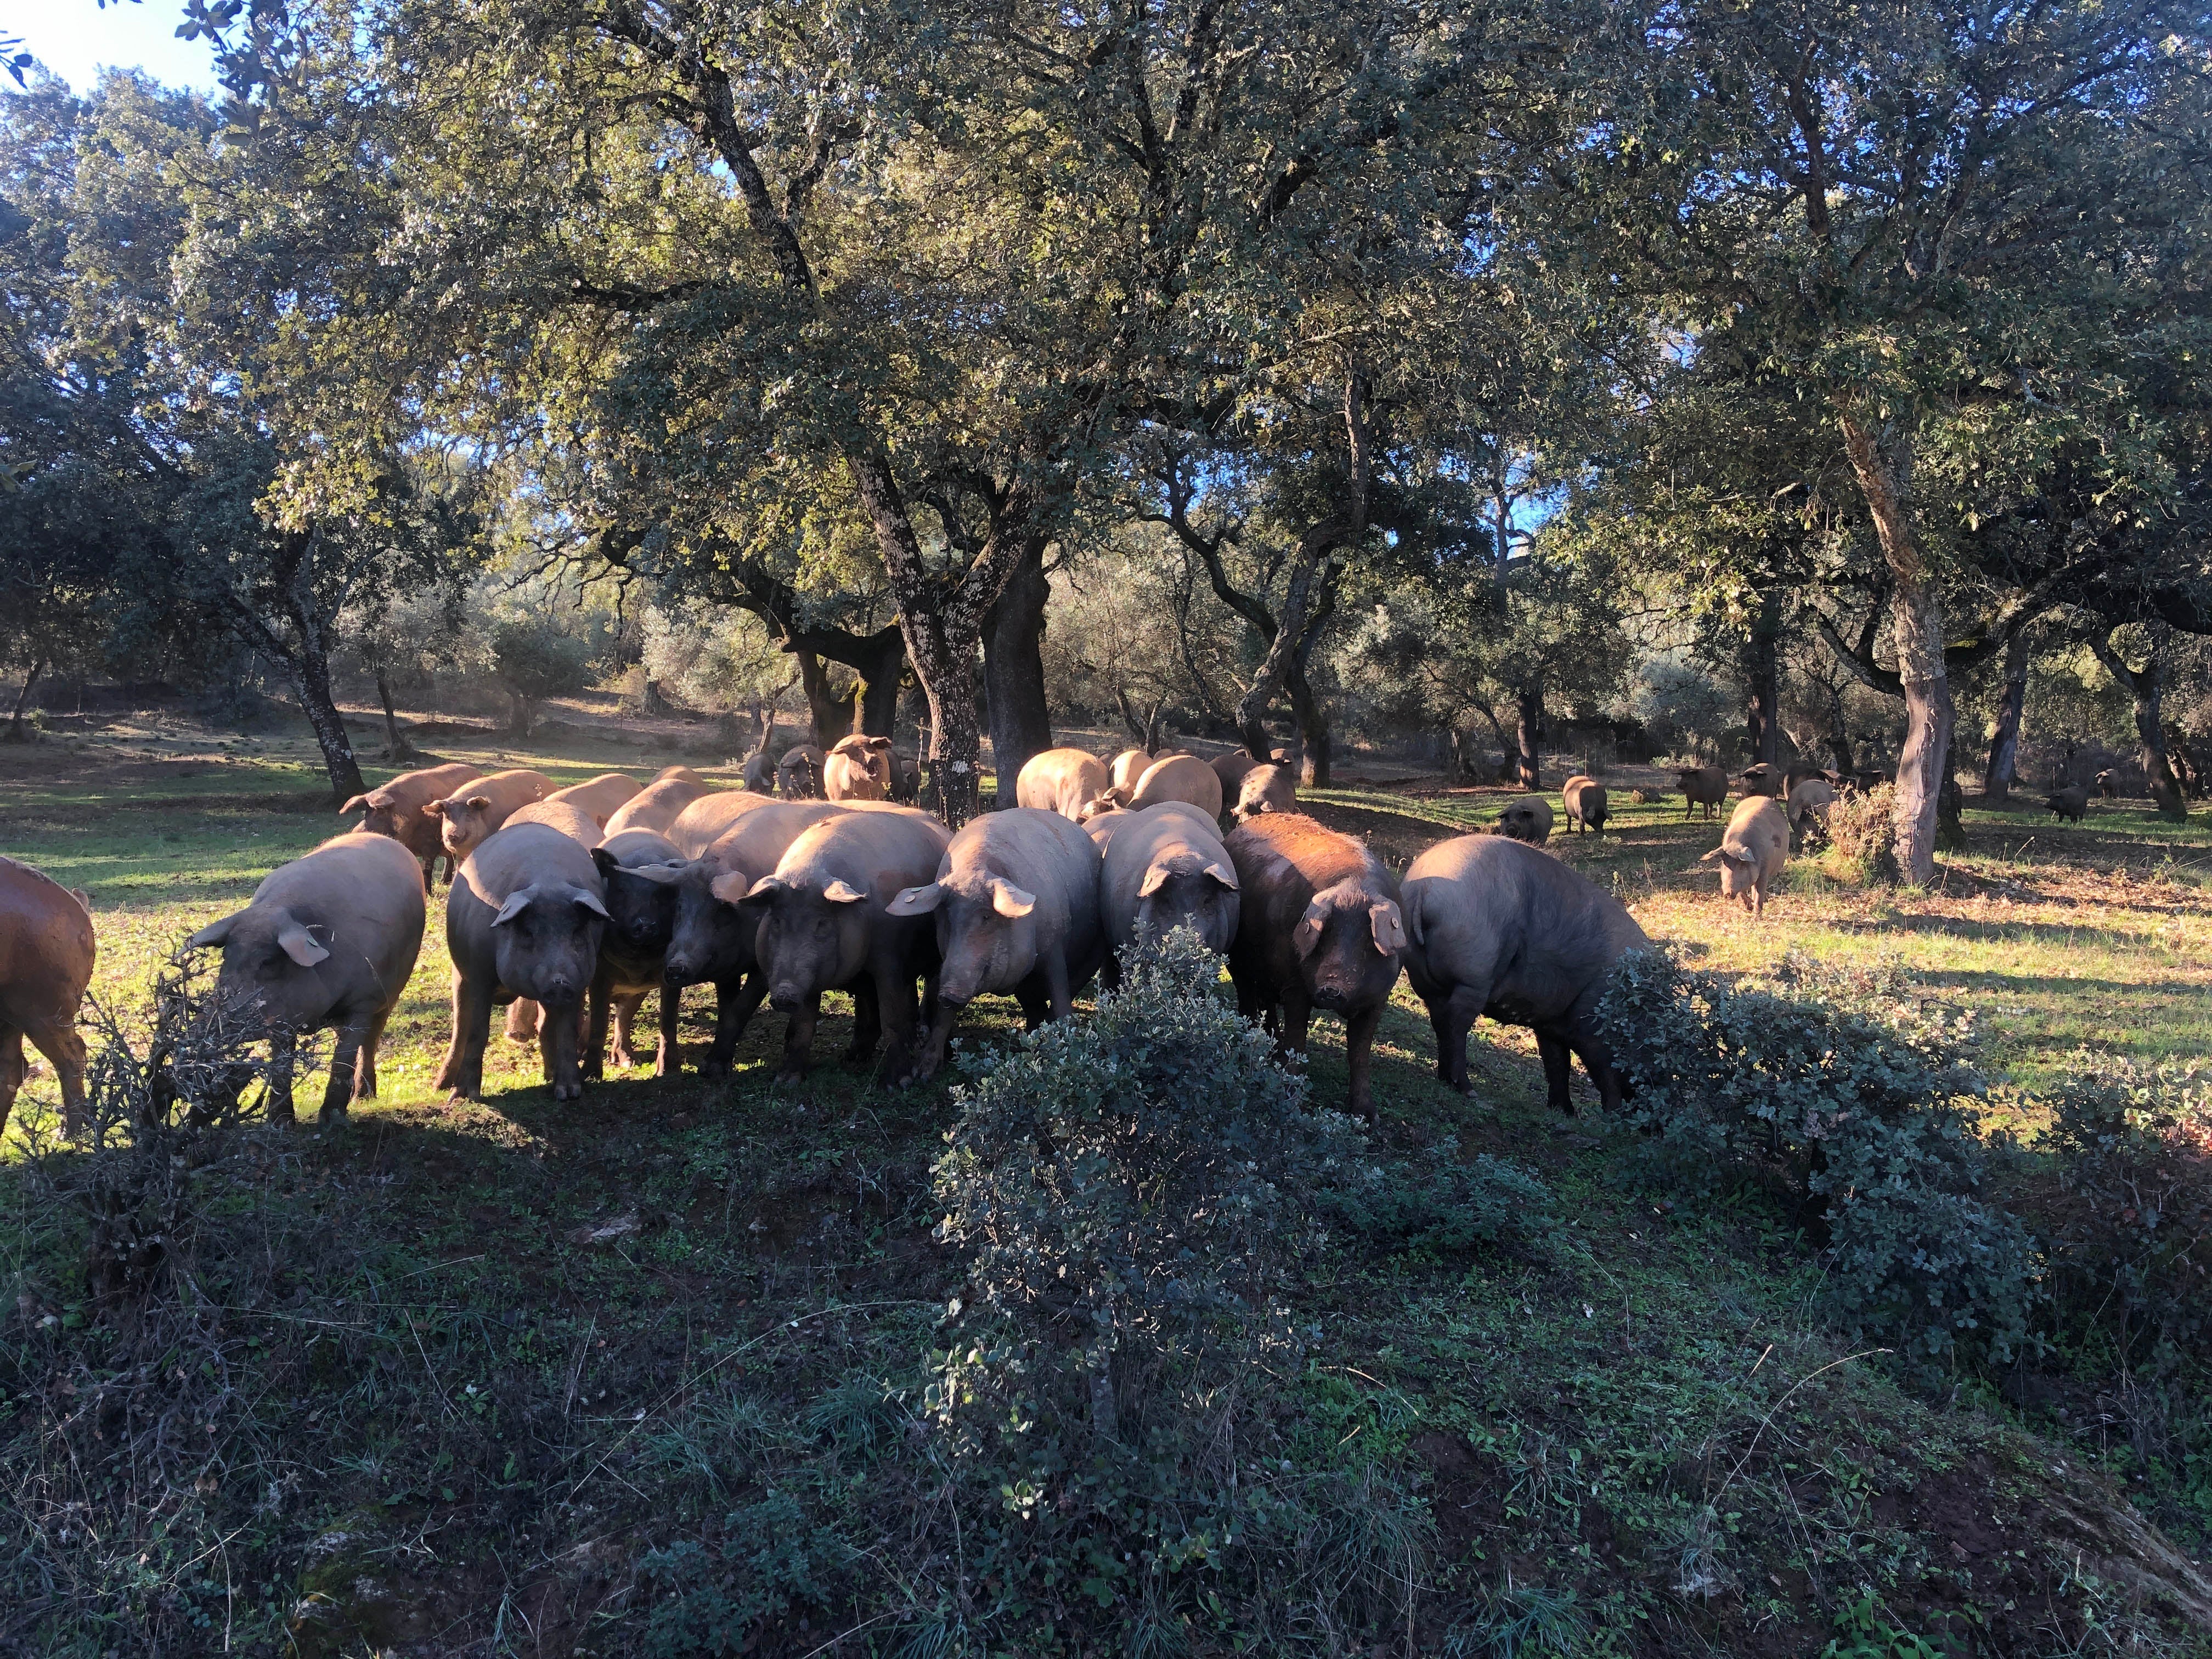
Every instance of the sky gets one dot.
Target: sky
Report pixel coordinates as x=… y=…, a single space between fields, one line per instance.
x=76 y=38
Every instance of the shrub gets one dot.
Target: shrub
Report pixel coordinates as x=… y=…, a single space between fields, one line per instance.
x=535 y=661
x=1832 y=1088
x=1863 y=838
x=716 y=1598
x=1446 y=1207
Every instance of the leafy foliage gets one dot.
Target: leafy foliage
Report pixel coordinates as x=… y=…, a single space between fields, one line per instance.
x=1863 y=837
x=714 y=1598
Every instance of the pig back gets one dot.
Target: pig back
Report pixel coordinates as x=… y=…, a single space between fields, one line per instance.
x=1179 y=777
x=1231 y=770
x=47 y=947
x=1282 y=859
x=755 y=842
x=1759 y=831
x=569 y=819
x=1061 y=781
x=362 y=897
x=1043 y=851
x=696 y=827
x=600 y=797
x=656 y=806
x=1174 y=837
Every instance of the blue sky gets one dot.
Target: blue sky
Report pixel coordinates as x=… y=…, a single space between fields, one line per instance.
x=76 y=39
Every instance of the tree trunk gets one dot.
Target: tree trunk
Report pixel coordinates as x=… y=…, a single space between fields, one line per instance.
x=1013 y=669
x=1763 y=675
x=1950 y=812
x=2004 y=742
x=832 y=714
x=881 y=672
x=1312 y=718
x=1839 y=735
x=16 y=732
x=1919 y=620
x=1529 y=733
x=311 y=679
x=396 y=746
x=2146 y=685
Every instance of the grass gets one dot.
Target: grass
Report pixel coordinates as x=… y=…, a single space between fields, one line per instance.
x=522 y=1378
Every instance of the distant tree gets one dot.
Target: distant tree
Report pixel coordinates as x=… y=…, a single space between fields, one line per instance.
x=534 y=662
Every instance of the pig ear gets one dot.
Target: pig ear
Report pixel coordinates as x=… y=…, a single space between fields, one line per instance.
x=588 y=900
x=1710 y=856
x=516 y=902
x=1223 y=874
x=731 y=886
x=1388 y=927
x=766 y=887
x=670 y=872
x=1155 y=878
x=1009 y=900
x=435 y=809
x=916 y=900
x=359 y=803
x=1306 y=934
x=879 y=743
x=837 y=892
x=605 y=860
x=478 y=803
x=213 y=933
x=300 y=944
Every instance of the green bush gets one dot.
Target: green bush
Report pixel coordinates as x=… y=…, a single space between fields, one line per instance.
x=1838 y=1091
x=1863 y=838
x=535 y=661
x=716 y=1598
x=1445 y=1206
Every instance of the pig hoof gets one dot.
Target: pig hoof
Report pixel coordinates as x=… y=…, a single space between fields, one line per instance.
x=710 y=1071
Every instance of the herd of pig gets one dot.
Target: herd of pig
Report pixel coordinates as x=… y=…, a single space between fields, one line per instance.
x=570 y=905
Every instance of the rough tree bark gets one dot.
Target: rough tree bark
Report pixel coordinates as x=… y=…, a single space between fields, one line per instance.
x=15 y=731
x=306 y=659
x=1924 y=675
x=1527 y=734
x=1013 y=669
x=830 y=710
x=1307 y=592
x=2147 y=686
x=396 y=746
x=1998 y=778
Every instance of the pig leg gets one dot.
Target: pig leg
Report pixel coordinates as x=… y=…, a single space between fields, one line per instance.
x=364 y=1080
x=283 y=1052
x=596 y=1009
x=58 y=1040
x=1295 y=1014
x=559 y=1039
x=13 y=1071
x=1057 y=985
x=346 y=1050
x=931 y=1059
x=1553 y=1052
x=522 y=1020
x=1452 y=1017
x=1359 y=1050
x=1109 y=973
x=734 y=1006
x=626 y=1009
x=798 y=1038
x=892 y=993
x=463 y=1072
x=664 y=1051
x=867 y=1019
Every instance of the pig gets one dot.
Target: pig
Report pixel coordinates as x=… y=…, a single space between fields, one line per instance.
x=1763 y=779
x=1584 y=798
x=714 y=930
x=824 y=926
x=47 y=956
x=1753 y=848
x=396 y=809
x=758 y=773
x=1810 y=802
x=678 y=773
x=524 y=918
x=799 y=774
x=327 y=942
x=1176 y=777
x=1270 y=788
x=1126 y=767
x=1230 y=768
x=632 y=947
x=1527 y=819
x=1016 y=903
x=569 y=819
x=2070 y=803
x=2108 y=785
x=600 y=797
x=656 y=806
x=1166 y=867
x=1062 y=780
x=858 y=769
x=698 y=824
x=1701 y=785
x=1318 y=926
x=1494 y=927
x=473 y=812
x=905 y=779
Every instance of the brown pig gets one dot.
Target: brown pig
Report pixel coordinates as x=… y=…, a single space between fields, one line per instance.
x=678 y=774
x=799 y=774
x=1270 y=788
x=1177 y=777
x=824 y=928
x=698 y=824
x=396 y=809
x=656 y=806
x=524 y=918
x=470 y=814
x=1016 y=903
x=328 y=941
x=1124 y=771
x=714 y=930
x=1527 y=819
x=1810 y=801
x=2069 y=803
x=1753 y=848
x=1701 y=785
x=1164 y=867
x=1062 y=780
x=1584 y=798
x=632 y=948
x=858 y=769
x=1318 y=926
x=569 y=819
x=1497 y=928
x=1763 y=779
x=46 y=955
x=1230 y=768
x=600 y=797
